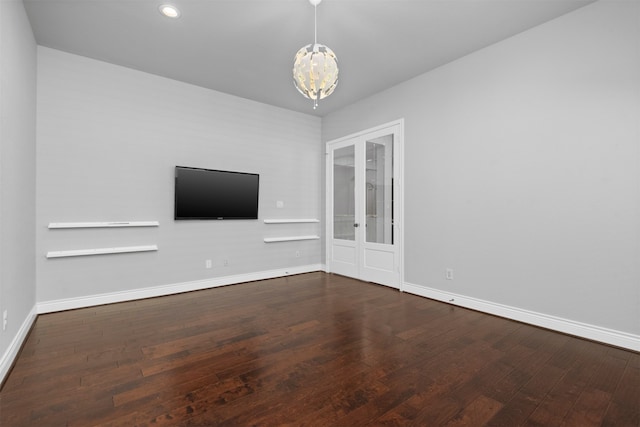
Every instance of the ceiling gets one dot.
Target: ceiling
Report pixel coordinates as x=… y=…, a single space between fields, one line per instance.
x=246 y=47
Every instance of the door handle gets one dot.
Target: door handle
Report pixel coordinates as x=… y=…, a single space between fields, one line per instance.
x=356 y=225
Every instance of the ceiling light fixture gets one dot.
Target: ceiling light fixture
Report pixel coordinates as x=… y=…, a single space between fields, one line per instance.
x=315 y=68
x=170 y=11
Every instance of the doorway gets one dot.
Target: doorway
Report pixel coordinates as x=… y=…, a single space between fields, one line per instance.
x=364 y=205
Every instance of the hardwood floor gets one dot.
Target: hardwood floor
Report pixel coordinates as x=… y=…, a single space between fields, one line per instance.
x=311 y=350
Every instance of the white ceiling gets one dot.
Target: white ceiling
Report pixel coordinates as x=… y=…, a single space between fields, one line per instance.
x=246 y=47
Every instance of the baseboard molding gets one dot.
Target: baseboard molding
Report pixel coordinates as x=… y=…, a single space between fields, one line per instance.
x=12 y=351
x=158 y=291
x=583 y=330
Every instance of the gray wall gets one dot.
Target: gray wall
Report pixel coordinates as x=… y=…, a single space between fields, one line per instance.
x=17 y=170
x=522 y=168
x=108 y=141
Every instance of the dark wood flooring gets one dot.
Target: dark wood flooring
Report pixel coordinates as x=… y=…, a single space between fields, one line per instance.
x=311 y=350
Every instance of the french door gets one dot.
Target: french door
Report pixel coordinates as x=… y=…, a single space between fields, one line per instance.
x=364 y=205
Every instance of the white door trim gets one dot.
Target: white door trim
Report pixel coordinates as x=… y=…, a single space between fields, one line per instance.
x=400 y=196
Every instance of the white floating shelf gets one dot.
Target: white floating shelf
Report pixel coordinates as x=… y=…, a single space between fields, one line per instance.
x=288 y=239
x=101 y=251
x=104 y=224
x=289 y=221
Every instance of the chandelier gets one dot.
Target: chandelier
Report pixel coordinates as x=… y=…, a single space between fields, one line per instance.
x=315 y=68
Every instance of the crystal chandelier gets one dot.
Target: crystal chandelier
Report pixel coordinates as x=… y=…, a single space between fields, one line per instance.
x=315 y=69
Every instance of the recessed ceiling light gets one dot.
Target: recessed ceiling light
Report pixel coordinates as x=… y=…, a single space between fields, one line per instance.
x=169 y=11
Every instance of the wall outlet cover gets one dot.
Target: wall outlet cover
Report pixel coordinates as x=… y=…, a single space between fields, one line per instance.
x=448 y=274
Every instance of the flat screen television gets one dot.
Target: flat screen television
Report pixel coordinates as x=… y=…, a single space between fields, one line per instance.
x=215 y=194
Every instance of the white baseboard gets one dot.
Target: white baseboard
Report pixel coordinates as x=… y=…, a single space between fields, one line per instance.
x=12 y=351
x=157 y=291
x=583 y=330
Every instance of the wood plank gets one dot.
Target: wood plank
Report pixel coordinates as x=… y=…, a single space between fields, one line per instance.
x=477 y=413
x=624 y=409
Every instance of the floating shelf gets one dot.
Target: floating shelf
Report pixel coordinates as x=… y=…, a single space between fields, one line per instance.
x=290 y=221
x=101 y=251
x=104 y=224
x=288 y=239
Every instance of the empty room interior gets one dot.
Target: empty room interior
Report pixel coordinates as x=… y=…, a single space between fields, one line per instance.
x=336 y=213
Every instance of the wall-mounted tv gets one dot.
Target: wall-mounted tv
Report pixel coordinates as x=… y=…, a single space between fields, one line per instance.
x=215 y=194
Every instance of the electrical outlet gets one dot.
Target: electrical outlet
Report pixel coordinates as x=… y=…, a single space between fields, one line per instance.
x=207 y=263
x=448 y=274
x=297 y=254
x=5 y=319
x=225 y=263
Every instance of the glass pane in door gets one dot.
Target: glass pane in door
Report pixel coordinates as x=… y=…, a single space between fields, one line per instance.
x=379 y=190
x=344 y=206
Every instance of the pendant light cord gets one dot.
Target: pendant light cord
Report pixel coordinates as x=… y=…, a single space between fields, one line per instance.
x=315 y=24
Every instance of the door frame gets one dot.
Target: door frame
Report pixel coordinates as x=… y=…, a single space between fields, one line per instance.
x=398 y=195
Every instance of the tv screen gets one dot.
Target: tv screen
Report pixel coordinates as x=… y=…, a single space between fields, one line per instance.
x=215 y=194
